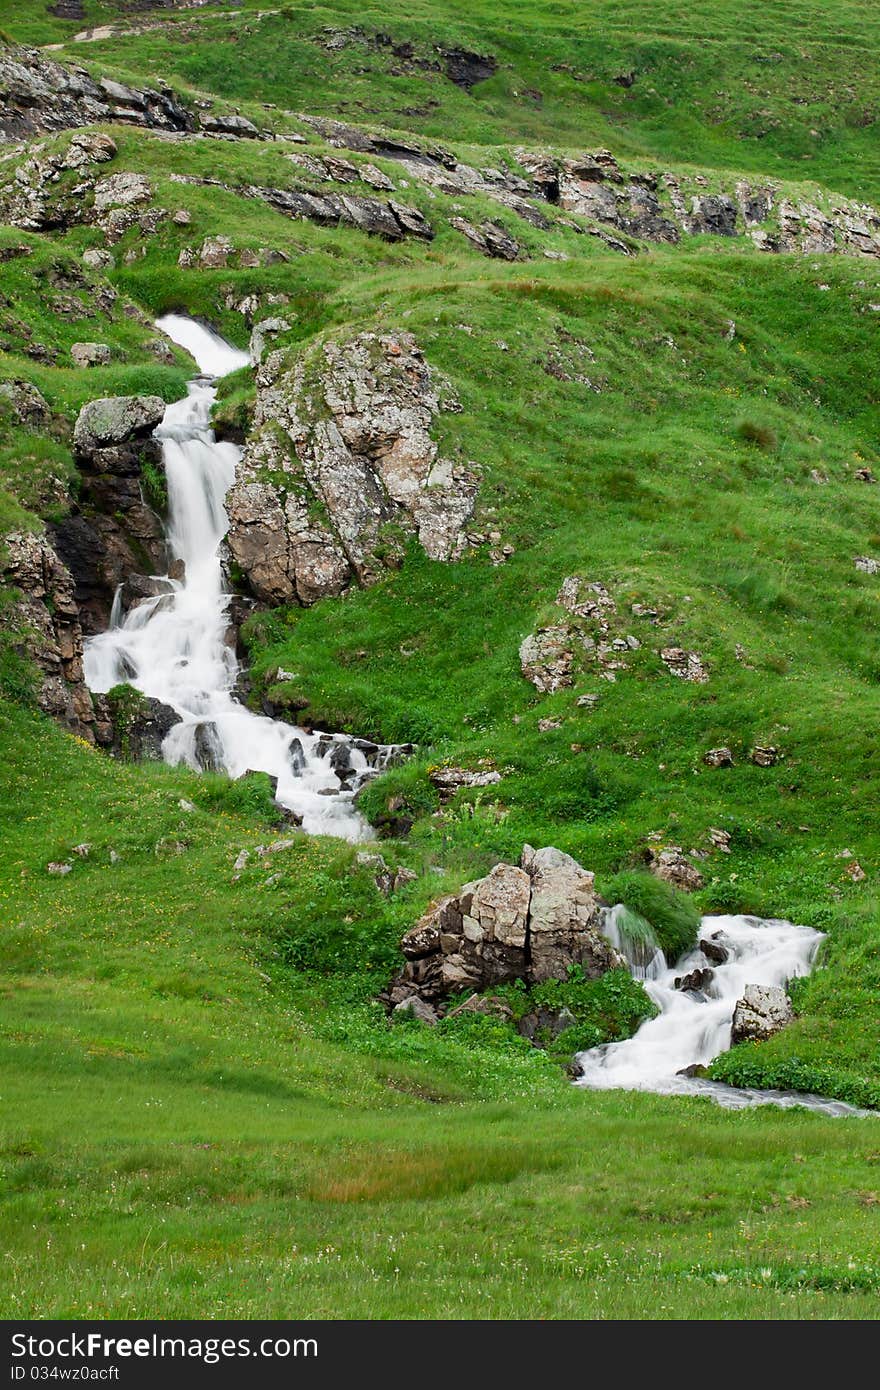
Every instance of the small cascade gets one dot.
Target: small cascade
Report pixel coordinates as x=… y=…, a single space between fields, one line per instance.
x=171 y=645
x=634 y=938
x=693 y=1025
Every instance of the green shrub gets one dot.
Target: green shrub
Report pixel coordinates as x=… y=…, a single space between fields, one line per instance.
x=673 y=916
x=155 y=487
x=608 y=1009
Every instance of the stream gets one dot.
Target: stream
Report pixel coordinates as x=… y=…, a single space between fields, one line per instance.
x=173 y=647
x=693 y=1026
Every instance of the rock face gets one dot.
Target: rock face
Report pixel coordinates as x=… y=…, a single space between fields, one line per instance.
x=139 y=725
x=762 y=1011
x=46 y=620
x=112 y=532
x=489 y=238
x=37 y=95
x=340 y=467
x=518 y=923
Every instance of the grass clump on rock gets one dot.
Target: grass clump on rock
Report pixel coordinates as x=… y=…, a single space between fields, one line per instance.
x=674 y=918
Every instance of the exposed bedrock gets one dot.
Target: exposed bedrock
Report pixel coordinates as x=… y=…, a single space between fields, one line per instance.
x=111 y=531
x=341 y=467
x=529 y=922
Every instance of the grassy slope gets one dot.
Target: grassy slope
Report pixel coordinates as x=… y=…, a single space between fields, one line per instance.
x=199 y=1093
x=778 y=89
x=178 y=1135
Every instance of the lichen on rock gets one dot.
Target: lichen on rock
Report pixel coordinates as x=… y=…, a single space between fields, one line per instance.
x=341 y=468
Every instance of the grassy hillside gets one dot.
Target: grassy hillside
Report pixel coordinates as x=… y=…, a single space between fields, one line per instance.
x=779 y=88
x=206 y=1111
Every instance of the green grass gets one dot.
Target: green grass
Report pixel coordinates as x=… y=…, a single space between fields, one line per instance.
x=205 y=1110
x=780 y=90
x=185 y=1127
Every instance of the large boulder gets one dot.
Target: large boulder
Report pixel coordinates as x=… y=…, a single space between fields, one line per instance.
x=529 y=922
x=115 y=420
x=340 y=466
x=139 y=723
x=564 y=917
x=762 y=1011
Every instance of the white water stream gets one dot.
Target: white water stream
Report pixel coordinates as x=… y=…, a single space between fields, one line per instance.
x=693 y=1027
x=173 y=647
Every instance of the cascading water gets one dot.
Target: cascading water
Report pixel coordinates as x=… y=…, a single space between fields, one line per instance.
x=694 y=1026
x=173 y=648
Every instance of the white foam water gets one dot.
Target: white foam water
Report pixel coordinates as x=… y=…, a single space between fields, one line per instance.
x=694 y=1027
x=174 y=648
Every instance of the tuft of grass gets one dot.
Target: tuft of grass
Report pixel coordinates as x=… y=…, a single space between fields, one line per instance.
x=761 y=435
x=673 y=917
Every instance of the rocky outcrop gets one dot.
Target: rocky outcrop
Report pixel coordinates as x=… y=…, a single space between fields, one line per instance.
x=21 y=401
x=550 y=656
x=530 y=923
x=672 y=865
x=341 y=467
x=488 y=238
x=39 y=95
x=45 y=619
x=762 y=1011
x=138 y=724
x=547 y=657
x=662 y=207
x=111 y=532
x=449 y=780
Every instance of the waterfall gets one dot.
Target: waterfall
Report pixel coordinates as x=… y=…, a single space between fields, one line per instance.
x=694 y=1026
x=173 y=647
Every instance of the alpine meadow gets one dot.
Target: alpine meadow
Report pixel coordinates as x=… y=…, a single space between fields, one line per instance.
x=439 y=659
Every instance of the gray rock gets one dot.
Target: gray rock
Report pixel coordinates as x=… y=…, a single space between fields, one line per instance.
x=718 y=757
x=546 y=658
x=121 y=191
x=449 y=780
x=347 y=429
x=713 y=949
x=45 y=618
x=114 y=420
x=239 y=126
x=673 y=867
x=696 y=980
x=416 y=1008
x=262 y=334
x=96 y=258
x=764 y=756
x=90 y=354
x=39 y=94
x=489 y=238
x=564 y=918
x=687 y=666
x=25 y=403
x=530 y=923
x=541 y=1025
x=215 y=252
x=762 y=1011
